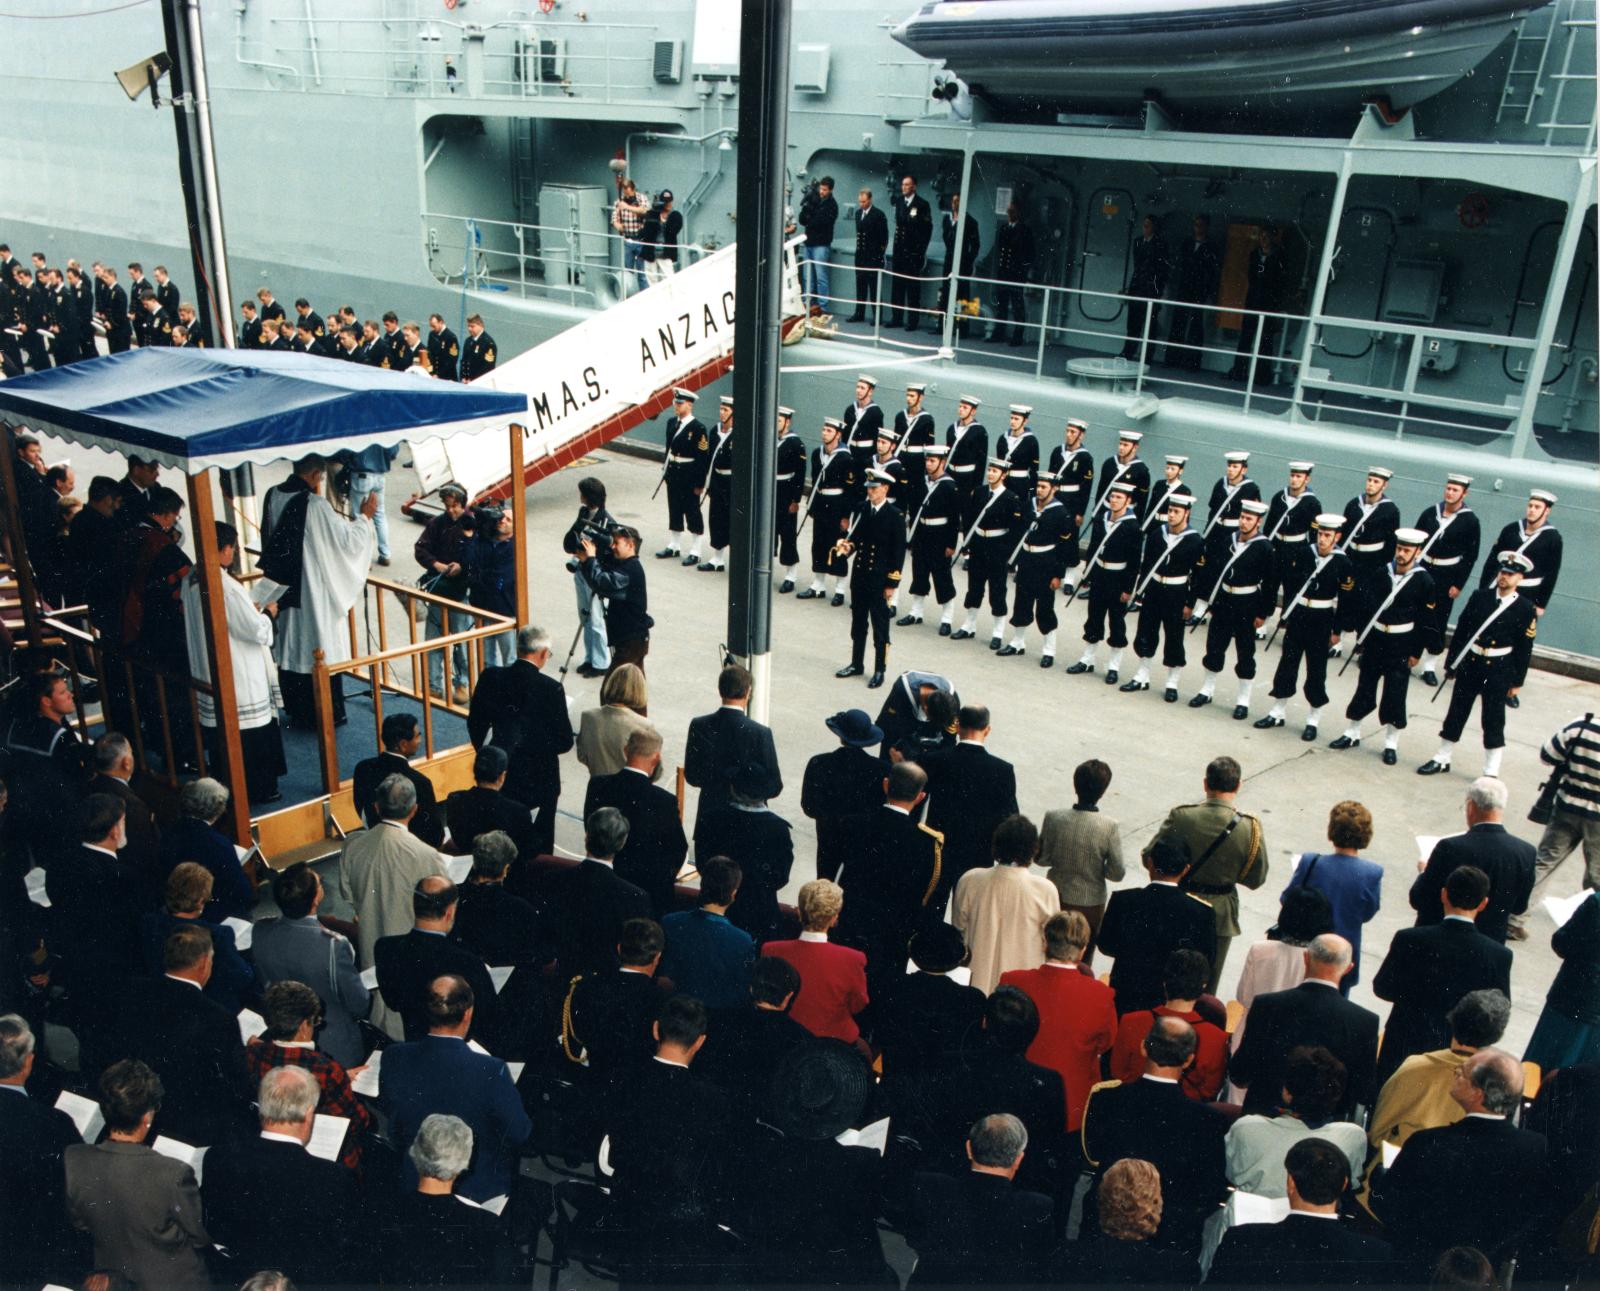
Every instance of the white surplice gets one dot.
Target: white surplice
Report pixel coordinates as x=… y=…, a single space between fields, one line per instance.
x=255 y=675
x=338 y=554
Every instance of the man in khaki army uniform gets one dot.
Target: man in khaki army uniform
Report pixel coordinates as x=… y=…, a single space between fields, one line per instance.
x=1227 y=848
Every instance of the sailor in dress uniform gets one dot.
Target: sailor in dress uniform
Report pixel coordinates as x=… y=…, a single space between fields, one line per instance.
x=935 y=531
x=1449 y=555
x=1537 y=539
x=790 y=466
x=1171 y=552
x=688 y=451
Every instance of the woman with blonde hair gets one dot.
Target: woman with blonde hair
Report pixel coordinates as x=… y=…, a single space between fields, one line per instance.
x=603 y=732
x=1122 y=1253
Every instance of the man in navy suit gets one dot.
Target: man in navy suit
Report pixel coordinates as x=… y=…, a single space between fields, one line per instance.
x=402 y=737
x=1505 y=858
x=409 y=963
x=656 y=844
x=1143 y=926
x=440 y=1073
x=970 y=791
x=727 y=739
x=33 y=1207
x=1313 y=1013
x=1312 y=1246
x=588 y=903
x=1427 y=970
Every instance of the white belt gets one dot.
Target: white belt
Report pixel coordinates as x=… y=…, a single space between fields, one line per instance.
x=829 y=493
x=1046 y=547
x=1490 y=652
x=1291 y=537
x=933 y=520
x=1366 y=546
x=962 y=470
x=788 y=476
x=1171 y=580
x=1529 y=582
x=1228 y=524
x=680 y=460
x=914 y=448
x=728 y=471
x=1443 y=562
x=1112 y=565
x=1319 y=604
x=1241 y=591
x=1393 y=628
x=992 y=533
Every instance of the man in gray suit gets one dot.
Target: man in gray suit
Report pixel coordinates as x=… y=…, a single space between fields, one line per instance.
x=299 y=948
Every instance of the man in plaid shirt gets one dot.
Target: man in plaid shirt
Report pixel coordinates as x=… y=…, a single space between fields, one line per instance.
x=627 y=218
x=293 y=1011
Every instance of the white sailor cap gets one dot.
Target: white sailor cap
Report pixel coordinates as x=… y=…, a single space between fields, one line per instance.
x=877 y=476
x=890 y=433
x=971 y=400
x=1177 y=459
x=1301 y=468
x=999 y=463
x=1253 y=507
x=1329 y=520
x=1515 y=562
x=1131 y=436
x=1120 y=486
x=936 y=450
x=1236 y=457
x=1079 y=423
x=1410 y=537
x=680 y=395
x=726 y=401
x=916 y=387
x=1382 y=472
x=835 y=422
x=1180 y=499
x=1542 y=495
x=1021 y=410
x=1465 y=481
x=871 y=381
x=785 y=412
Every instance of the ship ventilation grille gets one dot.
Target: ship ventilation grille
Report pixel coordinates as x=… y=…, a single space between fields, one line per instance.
x=668 y=67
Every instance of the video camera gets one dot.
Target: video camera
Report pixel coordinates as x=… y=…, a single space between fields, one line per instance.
x=483 y=519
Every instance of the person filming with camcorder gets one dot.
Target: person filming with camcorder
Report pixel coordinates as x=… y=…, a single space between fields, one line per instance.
x=490 y=561
x=609 y=564
x=594 y=520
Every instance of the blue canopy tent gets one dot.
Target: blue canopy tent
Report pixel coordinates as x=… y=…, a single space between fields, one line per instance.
x=203 y=410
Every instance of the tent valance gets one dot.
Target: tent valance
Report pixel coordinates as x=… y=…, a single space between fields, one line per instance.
x=197 y=409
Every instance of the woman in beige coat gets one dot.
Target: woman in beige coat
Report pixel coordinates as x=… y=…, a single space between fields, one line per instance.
x=1082 y=849
x=604 y=731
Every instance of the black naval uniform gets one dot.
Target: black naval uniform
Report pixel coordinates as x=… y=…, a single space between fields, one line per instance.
x=250 y=334
x=1051 y=535
x=1244 y=590
x=157 y=328
x=114 y=309
x=1167 y=567
x=1369 y=542
x=1155 y=513
x=994 y=523
x=1449 y=555
x=915 y=434
x=861 y=427
x=1311 y=617
x=879 y=542
x=791 y=471
x=1111 y=576
x=969 y=454
x=477 y=356
x=835 y=488
x=1543 y=548
x=1075 y=470
x=169 y=296
x=934 y=535
x=688 y=452
x=1222 y=525
x=1288 y=524
x=445 y=353
x=913 y=230
x=719 y=491
x=1021 y=454
x=900 y=490
x=1134 y=473
x=1404 y=630
x=1492 y=645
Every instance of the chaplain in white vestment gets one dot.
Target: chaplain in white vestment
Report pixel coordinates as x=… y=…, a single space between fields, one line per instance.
x=321 y=558
x=255 y=675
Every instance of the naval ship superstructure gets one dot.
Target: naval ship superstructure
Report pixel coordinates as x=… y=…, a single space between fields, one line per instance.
x=1430 y=186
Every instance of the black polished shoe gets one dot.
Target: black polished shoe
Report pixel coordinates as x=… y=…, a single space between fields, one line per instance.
x=850 y=670
x=1335 y=652
x=1171 y=696
x=666 y=553
x=810 y=594
x=1432 y=767
x=1309 y=735
x=995 y=642
x=908 y=620
x=1345 y=742
x=1111 y=676
x=874 y=681
x=1240 y=712
x=786 y=587
x=838 y=600
x=690 y=559
x=856 y=318
x=1008 y=651
x=944 y=629
x=1049 y=661
x=1130 y=687
x=1199 y=701
x=267 y=800
x=1430 y=678
x=1268 y=723
x=1390 y=757
x=709 y=568
x=1077 y=669
x=961 y=634
x=1513 y=701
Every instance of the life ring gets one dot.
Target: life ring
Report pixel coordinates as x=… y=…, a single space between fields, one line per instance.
x=1473 y=211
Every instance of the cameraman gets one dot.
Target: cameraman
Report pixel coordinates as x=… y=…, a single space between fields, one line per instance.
x=441 y=551
x=619 y=578
x=669 y=228
x=818 y=214
x=491 y=567
x=593 y=521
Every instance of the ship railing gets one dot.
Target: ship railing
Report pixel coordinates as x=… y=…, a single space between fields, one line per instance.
x=517 y=58
x=1364 y=372
x=591 y=267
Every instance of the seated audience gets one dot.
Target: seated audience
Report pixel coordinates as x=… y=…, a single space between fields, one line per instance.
x=609 y=1012
x=833 y=979
x=1081 y=849
x=927 y=1014
x=588 y=904
x=194 y=836
x=1312 y=1246
x=1352 y=884
x=487 y=806
x=1490 y=847
x=762 y=841
x=1313 y=1087
x=746 y=1044
x=402 y=738
x=141 y=1209
x=298 y=947
x=1124 y=1252
x=1077 y=1021
x=706 y=956
x=1187 y=974
x=34 y=1136
x=408 y=964
x=293 y=1014
x=656 y=846
x=1279 y=962
x=380 y=868
x=1143 y=926
x=493 y=924
x=270 y=1203
x=1001 y=910
x=114 y=770
x=187 y=895
x=433 y=1237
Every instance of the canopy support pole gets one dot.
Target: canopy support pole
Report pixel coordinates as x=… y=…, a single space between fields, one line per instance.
x=519 y=524
x=219 y=655
x=21 y=566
